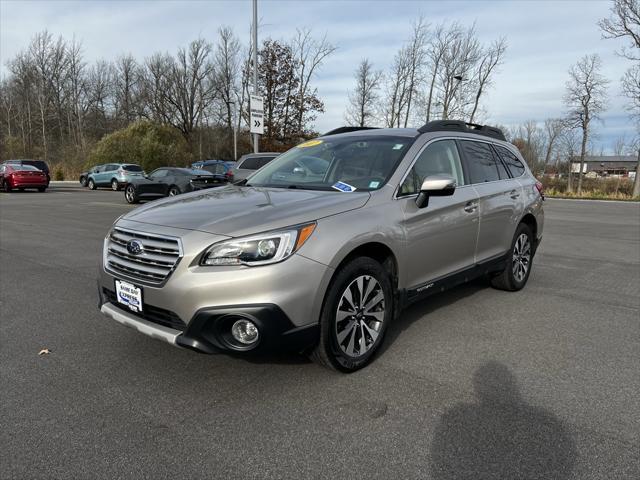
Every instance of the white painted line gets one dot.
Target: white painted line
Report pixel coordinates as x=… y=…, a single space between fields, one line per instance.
x=549 y=199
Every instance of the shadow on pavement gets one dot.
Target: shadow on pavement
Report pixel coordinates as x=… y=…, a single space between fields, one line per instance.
x=500 y=436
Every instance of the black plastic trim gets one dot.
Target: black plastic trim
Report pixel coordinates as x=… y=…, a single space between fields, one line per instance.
x=336 y=131
x=460 y=126
x=208 y=330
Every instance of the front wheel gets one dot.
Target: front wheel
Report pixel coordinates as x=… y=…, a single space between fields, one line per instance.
x=130 y=194
x=83 y=181
x=92 y=184
x=357 y=309
x=173 y=191
x=5 y=186
x=518 y=265
x=115 y=186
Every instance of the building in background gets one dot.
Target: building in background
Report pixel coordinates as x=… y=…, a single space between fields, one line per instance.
x=606 y=165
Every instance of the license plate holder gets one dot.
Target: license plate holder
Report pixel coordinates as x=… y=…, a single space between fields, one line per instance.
x=129 y=295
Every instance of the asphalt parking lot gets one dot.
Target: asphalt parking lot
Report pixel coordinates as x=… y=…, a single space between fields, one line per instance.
x=474 y=383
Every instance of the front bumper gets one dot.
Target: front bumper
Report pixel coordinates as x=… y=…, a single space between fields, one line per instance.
x=209 y=330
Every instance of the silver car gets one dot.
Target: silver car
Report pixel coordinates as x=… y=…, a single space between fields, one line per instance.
x=323 y=247
x=251 y=162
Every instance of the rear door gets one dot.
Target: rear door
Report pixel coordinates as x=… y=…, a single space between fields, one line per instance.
x=441 y=237
x=498 y=197
x=157 y=185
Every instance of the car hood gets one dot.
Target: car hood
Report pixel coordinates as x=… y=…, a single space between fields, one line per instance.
x=236 y=211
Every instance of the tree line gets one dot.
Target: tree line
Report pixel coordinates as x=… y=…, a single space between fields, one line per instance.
x=55 y=105
x=445 y=71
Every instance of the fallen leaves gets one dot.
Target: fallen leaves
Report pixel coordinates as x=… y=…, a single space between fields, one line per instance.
x=44 y=351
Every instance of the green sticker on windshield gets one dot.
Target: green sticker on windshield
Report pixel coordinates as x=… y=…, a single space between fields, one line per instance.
x=374 y=184
x=398 y=146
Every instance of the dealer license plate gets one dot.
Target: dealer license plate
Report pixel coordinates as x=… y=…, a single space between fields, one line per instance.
x=129 y=295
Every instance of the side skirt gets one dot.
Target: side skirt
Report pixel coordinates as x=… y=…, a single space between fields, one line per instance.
x=419 y=292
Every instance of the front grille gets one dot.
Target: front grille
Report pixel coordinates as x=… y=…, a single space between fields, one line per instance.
x=150 y=313
x=153 y=265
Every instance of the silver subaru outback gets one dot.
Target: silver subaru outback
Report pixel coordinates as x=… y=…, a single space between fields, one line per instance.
x=320 y=250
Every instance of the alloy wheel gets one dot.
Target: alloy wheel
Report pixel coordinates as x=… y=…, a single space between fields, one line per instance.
x=130 y=194
x=521 y=257
x=360 y=315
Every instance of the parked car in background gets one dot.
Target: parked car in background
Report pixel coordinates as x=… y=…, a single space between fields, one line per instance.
x=169 y=181
x=324 y=261
x=84 y=176
x=114 y=175
x=251 y=162
x=217 y=167
x=22 y=176
x=39 y=164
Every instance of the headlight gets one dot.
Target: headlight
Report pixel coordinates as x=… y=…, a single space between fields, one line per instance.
x=262 y=249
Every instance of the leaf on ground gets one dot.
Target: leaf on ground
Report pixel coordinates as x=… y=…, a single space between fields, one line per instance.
x=44 y=351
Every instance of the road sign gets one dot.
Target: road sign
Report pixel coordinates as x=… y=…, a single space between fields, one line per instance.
x=257 y=114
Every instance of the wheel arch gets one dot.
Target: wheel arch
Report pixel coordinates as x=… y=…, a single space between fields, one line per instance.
x=380 y=252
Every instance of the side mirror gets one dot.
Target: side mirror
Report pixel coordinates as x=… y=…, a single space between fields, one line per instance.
x=435 y=186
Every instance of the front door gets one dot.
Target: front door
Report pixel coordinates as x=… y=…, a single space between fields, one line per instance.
x=441 y=237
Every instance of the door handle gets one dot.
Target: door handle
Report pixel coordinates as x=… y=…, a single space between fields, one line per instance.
x=471 y=206
x=514 y=194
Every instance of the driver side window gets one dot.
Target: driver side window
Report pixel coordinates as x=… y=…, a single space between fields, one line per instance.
x=158 y=173
x=439 y=158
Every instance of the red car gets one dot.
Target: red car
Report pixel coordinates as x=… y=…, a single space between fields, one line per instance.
x=21 y=177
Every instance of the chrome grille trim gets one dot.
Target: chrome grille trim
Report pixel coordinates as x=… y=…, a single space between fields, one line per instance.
x=153 y=266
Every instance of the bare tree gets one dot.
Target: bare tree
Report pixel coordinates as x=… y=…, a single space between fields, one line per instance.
x=396 y=94
x=631 y=90
x=416 y=59
x=127 y=89
x=585 y=99
x=491 y=58
x=362 y=101
x=227 y=71
x=553 y=129
x=624 y=22
x=619 y=145
x=309 y=54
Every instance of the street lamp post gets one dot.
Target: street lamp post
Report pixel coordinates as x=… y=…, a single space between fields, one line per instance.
x=459 y=79
x=255 y=64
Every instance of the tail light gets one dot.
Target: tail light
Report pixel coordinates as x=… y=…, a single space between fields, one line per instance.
x=540 y=188
x=229 y=175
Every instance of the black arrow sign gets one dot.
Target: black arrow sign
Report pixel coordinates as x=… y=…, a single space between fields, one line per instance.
x=256 y=123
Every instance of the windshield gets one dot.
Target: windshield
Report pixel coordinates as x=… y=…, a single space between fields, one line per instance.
x=340 y=164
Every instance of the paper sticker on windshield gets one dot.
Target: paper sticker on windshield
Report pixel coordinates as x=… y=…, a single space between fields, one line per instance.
x=310 y=143
x=344 y=187
x=374 y=184
x=398 y=146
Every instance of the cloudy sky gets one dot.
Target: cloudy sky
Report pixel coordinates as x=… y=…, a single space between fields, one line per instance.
x=545 y=38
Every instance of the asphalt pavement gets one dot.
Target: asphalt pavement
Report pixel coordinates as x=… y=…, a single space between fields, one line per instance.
x=473 y=383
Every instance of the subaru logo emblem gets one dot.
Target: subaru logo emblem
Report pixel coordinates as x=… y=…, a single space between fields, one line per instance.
x=135 y=247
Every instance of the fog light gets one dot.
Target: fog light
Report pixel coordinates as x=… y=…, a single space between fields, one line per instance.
x=245 y=332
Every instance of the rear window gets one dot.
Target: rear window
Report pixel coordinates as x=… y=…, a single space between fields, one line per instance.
x=132 y=168
x=512 y=162
x=26 y=168
x=219 y=168
x=483 y=166
x=251 y=163
x=39 y=164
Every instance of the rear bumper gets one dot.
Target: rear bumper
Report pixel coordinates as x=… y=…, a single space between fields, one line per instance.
x=19 y=184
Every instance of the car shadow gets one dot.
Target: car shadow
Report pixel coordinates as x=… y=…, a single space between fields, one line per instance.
x=499 y=435
x=417 y=311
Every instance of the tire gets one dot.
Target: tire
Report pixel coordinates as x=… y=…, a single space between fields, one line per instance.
x=91 y=184
x=83 y=181
x=130 y=194
x=115 y=186
x=42 y=189
x=5 y=186
x=173 y=191
x=519 y=261
x=21 y=189
x=342 y=334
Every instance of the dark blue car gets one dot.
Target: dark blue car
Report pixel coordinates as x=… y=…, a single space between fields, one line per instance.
x=217 y=167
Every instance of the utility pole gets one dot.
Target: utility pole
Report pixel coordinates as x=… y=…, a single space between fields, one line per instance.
x=255 y=64
x=636 y=181
x=459 y=79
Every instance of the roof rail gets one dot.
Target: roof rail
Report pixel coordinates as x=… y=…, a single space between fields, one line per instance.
x=460 y=126
x=336 y=131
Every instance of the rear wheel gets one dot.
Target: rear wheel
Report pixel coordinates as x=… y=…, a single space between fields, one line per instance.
x=115 y=186
x=130 y=194
x=42 y=189
x=21 y=189
x=357 y=309
x=173 y=191
x=91 y=184
x=518 y=264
